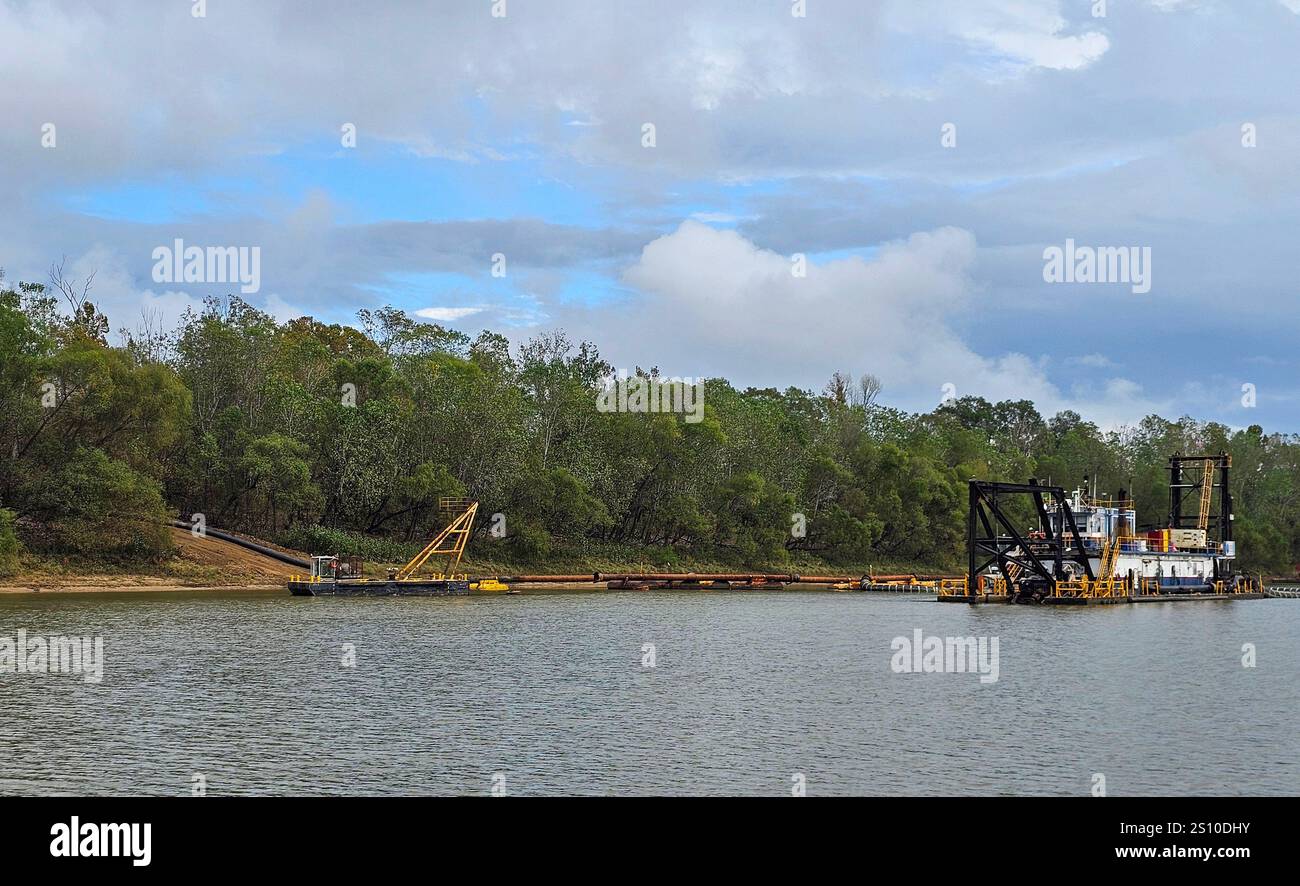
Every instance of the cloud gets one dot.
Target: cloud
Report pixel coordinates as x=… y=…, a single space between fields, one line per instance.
x=929 y=310
x=818 y=135
x=1094 y=361
x=713 y=304
x=173 y=94
x=447 y=314
x=115 y=294
x=712 y=293
x=310 y=261
x=1025 y=34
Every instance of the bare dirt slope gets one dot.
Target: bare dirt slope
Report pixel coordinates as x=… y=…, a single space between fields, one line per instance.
x=200 y=563
x=223 y=555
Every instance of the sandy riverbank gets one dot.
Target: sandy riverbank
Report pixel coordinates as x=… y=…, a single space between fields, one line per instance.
x=118 y=587
x=200 y=564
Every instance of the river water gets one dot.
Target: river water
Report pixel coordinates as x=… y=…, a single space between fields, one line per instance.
x=749 y=693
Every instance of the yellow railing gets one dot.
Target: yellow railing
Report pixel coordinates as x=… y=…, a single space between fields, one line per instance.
x=1108 y=557
x=1124 y=504
x=962 y=587
x=1092 y=588
x=952 y=587
x=1084 y=588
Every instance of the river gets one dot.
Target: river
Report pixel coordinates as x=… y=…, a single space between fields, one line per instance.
x=748 y=693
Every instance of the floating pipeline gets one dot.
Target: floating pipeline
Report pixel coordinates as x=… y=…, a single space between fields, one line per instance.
x=624 y=581
x=599 y=577
x=746 y=578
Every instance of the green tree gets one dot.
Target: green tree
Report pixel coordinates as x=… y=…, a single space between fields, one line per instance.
x=10 y=547
x=94 y=506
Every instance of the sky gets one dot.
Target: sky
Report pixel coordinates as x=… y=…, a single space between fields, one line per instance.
x=766 y=191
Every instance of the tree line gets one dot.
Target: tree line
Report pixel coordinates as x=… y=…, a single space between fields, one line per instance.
x=318 y=434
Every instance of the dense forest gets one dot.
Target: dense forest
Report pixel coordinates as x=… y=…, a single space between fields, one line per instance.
x=342 y=438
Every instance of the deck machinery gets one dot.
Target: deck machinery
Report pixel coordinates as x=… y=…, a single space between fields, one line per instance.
x=1085 y=549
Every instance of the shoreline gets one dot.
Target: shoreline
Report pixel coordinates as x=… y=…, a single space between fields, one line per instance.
x=90 y=586
x=123 y=588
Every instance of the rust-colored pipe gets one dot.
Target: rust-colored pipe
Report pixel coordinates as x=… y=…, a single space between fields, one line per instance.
x=695 y=576
x=538 y=579
x=788 y=578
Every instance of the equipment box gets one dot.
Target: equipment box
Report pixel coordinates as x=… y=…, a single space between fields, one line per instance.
x=1187 y=538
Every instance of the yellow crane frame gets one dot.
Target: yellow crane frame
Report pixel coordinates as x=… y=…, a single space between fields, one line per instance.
x=449 y=543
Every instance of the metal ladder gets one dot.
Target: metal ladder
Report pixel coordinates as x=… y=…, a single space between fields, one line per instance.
x=1207 y=490
x=1108 y=559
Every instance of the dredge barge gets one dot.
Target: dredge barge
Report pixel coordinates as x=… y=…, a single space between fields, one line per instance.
x=337 y=576
x=1086 y=550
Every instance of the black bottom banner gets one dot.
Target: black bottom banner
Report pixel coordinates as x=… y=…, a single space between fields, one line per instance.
x=141 y=836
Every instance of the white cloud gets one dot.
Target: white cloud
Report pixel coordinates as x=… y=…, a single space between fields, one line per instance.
x=1118 y=130
x=129 y=101
x=447 y=314
x=722 y=218
x=282 y=310
x=1027 y=33
x=1046 y=50
x=115 y=294
x=714 y=304
x=708 y=291
x=1094 y=361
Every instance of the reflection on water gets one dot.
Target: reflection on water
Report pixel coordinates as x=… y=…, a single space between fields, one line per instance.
x=748 y=690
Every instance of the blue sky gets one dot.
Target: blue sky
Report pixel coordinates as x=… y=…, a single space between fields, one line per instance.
x=775 y=136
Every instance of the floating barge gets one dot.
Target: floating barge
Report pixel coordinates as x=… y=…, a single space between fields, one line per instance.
x=361 y=587
x=1107 y=601
x=338 y=576
x=1086 y=551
